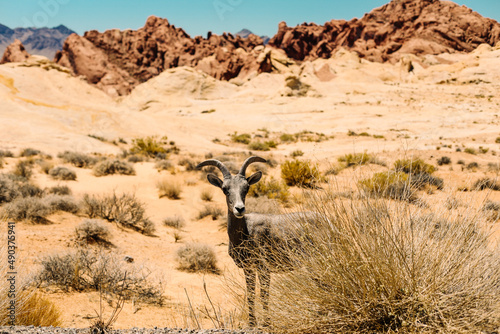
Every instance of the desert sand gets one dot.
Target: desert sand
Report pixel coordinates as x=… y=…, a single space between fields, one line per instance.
x=446 y=102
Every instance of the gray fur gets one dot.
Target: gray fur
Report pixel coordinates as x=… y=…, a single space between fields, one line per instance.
x=254 y=238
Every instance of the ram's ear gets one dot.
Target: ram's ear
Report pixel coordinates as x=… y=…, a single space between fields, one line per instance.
x=253 y=179
x=214 y=180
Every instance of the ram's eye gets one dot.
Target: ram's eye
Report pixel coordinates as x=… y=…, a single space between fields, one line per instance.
x=225 y=191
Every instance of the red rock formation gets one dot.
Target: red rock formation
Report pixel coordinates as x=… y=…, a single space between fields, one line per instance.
x=15 y=53
x=402 y=26
x=132 y=57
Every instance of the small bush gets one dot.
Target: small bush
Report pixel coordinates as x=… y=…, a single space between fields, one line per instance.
x=207 y=195
x=486 y=183
x=149 y=146
x=62 y=173
x=419 y=181
x=113 y=166
x=189 y=164
x=296 y=87
x=6 y=154
x=497 y=140
x=9 y=190
x=197 y=257
x=136 y=158
x=175 y=221
x=30 y=190
x=64 y=203
x=59 y=190
x=169 y=188
x=243 y=138
x=87 y=270
x=394 y=185
x=23 y=169
x=93 y=231
x=357 y=159
x=470 y=150
x=124 y=209
x=296 y=153
x=300 y=173
x=288 y=138
x=443 y=161
x=272 y=189
x=31 y=209
x=77 y=159
x=163 y=165
x=258 y=146
x=210 y=210
x=29 y=152
x=413 y=166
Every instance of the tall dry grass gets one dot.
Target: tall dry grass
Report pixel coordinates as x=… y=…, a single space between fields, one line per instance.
x=373 y=265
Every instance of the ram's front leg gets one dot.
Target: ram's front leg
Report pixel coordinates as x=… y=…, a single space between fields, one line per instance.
x=250 y=283
x=265 y=283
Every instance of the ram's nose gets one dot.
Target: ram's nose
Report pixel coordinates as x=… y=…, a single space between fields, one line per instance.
x=239 y=211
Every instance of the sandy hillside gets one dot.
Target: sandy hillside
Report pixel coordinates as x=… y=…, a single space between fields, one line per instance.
x=447 y=102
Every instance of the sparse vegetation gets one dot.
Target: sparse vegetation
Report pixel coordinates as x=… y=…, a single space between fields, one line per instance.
x=189 y=164
x=243 y=138
x=444 y=160
x=124 y=209
x=497 y=140
x=32 y=309
x=356 y=159
x=149 y=146
x=300 y=173
x=23 y=169
x=296 y=153
x=59 y=190
x=169 y=188
x=413 y=166
x=64 y=203
x=62 y=173
x=93 y=231
x=9 y=190
x=136 y=158
x=472 y=166
x=486 y=183
x=31 y=209
x=163 y=165
x=259 y=146
x=470 y=150
x=174 y=221
x=78 y=159
x=271 y=188
x=288 y=138
x=29 y=152
x=296 y=87
x=113 y=166
x=88 y=270
x=394 y=185
x=197 y=257
x=210 y=210
x=374 y=277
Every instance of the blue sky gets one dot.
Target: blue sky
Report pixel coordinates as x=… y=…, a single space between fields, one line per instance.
x=196 y=17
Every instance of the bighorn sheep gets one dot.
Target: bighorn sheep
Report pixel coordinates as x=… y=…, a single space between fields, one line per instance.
x=253 y=238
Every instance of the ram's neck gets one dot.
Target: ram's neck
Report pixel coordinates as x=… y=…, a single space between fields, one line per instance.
x=237 y=229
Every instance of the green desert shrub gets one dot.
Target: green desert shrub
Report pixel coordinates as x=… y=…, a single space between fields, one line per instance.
x=124 y=209
x=300 y=173
x=62 y=173
x=356 y=159
x=243 y=138
x=113 y=166
x=197 y=257
x=296 y=153
x=149 y=146
x=259 y=146
x=271 y=188
x=413 y=166
x=288 y=138
x=78 y=159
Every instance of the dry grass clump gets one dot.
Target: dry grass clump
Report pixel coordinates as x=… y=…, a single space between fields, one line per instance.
x=413 y=166
x=210 y=210
x=169 y=188
x=188 y=163
x=88 y=270
x=300 y=173
x=296 y=153
x=23 y=169
x=78 y=159
x=271 y=188
x=29 y=152
x=207 y=195
x=62 y=173
x=9 y=190
x=378 y=266
x=356 y=159
x=444 y=160
x=113 y=166
x=163 y=165
x=33 y=309
x=93 y=231
x=6 y=154
x=36 y=209
x=260 y=146
x=486 y=183
x=197 y=257
x=177 y=222
x=59 y=190
x=492 y=210
x=243 y=138
x=124 y=209
x=394 y=185
x=136 y=158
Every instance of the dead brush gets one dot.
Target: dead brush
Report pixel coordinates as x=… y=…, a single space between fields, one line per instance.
x=169 y=188
x=373 y=265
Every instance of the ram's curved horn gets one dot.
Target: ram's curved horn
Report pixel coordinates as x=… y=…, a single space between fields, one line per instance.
x=248 y=162
x=212 y=162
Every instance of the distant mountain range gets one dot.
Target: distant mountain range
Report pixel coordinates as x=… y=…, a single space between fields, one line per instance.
x=244 y=33
x=39 y=41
